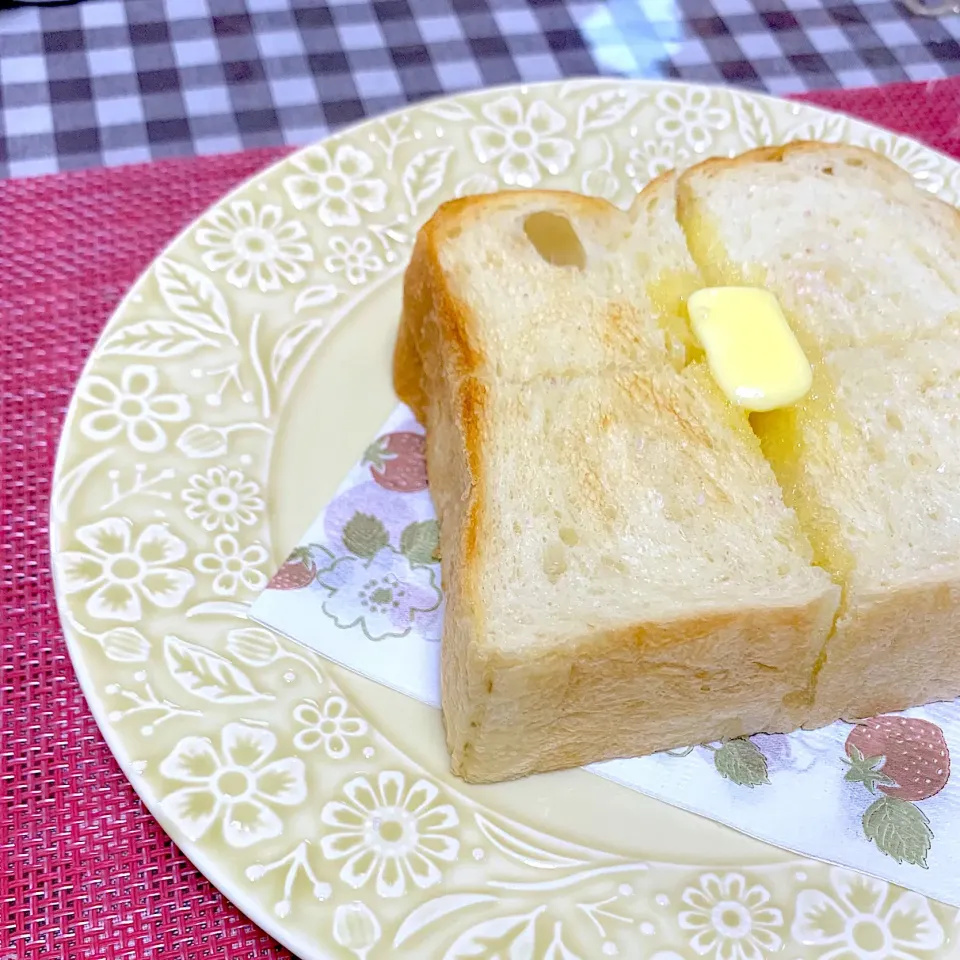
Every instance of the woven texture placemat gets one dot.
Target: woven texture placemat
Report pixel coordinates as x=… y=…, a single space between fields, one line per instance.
x=85 y=871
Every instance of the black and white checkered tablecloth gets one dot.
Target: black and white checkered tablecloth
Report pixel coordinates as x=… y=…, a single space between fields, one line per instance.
x=115 y=81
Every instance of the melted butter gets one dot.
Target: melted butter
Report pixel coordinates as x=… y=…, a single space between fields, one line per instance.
x=751 y=350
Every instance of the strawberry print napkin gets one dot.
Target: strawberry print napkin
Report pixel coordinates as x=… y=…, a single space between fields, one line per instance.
x=363 y=589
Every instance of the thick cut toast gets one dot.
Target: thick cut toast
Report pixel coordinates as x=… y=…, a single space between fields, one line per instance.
x=621 y=573
x=867 y=267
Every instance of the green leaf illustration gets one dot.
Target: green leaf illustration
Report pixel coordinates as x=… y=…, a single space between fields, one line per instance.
x=377 y=454
x=419 y=541
x=742 y=762
x=899 y=829
x=364 y=535
x=867 y=770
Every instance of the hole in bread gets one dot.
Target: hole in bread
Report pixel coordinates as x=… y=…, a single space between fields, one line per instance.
x=828 y=171
x=894 y=421
x=554 y=561
x=569 y=536
x=554 y=238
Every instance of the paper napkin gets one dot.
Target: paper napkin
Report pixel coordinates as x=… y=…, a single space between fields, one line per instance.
x=363 y=589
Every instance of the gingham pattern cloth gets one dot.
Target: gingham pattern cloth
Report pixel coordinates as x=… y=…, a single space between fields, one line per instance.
x=107 y=82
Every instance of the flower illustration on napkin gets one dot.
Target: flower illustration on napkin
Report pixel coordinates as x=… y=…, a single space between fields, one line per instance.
x=377 y=587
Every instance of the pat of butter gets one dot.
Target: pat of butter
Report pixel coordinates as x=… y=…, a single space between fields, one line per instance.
x=751 y=350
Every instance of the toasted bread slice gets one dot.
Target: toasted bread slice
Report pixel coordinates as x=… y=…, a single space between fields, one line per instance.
x=857 y=254
x=871 y=462
x=867 y=267
x=621 y=573
x=481 y=298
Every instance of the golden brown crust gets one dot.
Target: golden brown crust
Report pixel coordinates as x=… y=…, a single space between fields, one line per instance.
x=436 y=327
x=669 y=684
x=781 y=152
x=875 y=663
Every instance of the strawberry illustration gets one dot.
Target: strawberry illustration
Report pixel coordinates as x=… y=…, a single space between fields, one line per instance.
x=902 y=757
x=398 y=462
x=907 y=760
x=296 y=573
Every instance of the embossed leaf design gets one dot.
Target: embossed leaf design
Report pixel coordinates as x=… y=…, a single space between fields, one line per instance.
x=200 y=442
x=289 y=343
x=419 y=541
x=424 y=175
x=558 y=950
x=603 y=109
x=436 y=909
x=364 y=535
x=355 y=926
x=125 y=645
x=500 y=938
x=216 y=608
x=477 y=183
x=207 y=674
x=315 y=297
x=524 y=851
x=753 y=122
x=742 y=762
x=192 y=296
x=828 y=129
x=254 y=646
x=68 y=485
x=599 y=183
x=449 y=111
x=155 y=338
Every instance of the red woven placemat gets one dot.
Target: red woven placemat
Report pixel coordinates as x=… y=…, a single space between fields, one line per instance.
x=85 y=871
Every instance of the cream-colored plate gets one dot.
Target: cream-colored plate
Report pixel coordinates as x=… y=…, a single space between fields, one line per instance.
x=232 y=390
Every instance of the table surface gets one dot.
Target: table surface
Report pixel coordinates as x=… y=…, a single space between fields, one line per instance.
x=107 y=82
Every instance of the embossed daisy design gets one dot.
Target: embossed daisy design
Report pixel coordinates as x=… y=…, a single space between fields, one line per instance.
x=337 y=183
x=237 y=785
x=355 y=259
x=390 y=833
x=688 y=114
x=328 y=726
x=866 y=918
x=523 y=141
x=729 y=919
x=254 y=245
x=133 y=409
x=124 y=571
x=230 y=566
x=222 y=499
x=652 y=158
